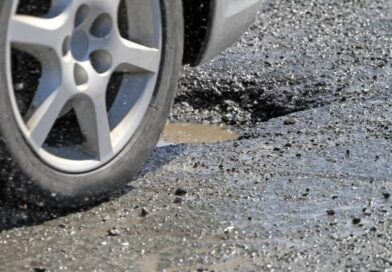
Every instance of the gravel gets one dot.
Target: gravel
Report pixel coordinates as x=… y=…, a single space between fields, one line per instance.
x=299 y=55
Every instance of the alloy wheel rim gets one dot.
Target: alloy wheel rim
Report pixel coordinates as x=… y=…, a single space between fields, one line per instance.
x=80 y=46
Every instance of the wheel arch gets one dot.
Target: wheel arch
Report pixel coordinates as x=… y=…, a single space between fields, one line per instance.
x=213 y=25
x=197 y=19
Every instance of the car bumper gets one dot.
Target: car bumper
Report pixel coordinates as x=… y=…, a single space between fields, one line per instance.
x=230 y=19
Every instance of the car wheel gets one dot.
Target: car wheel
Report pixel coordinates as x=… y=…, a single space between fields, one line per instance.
x=86 y=87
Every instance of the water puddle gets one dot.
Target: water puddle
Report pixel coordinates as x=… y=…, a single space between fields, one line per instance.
x=187 y=133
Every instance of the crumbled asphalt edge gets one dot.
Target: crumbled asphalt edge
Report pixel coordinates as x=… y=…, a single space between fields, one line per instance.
x=320 y=52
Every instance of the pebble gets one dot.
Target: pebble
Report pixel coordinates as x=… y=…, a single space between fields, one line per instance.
x=356 y=221
x=144 y=213
x=114 y=232
x=386 y=195
x=180 y=192
x=290 y=121
x=177 y=200
x=331 y=212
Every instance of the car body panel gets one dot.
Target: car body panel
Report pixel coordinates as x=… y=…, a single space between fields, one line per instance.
x=229 y=19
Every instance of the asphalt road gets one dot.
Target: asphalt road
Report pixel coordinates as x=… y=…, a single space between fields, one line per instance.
x=306 y=188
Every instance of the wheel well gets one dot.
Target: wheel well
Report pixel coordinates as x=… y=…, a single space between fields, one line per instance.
x=197 y=19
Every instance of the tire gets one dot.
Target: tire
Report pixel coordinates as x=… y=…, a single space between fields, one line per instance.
x=45 y=180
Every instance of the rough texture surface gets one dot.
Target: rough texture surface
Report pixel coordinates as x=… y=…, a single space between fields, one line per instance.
x=307 y=190
x=299 y=55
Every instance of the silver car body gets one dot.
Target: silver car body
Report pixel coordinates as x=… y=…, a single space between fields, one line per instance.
x=229 y=20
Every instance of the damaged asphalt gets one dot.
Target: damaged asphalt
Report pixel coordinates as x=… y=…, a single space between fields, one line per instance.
x=306 y=188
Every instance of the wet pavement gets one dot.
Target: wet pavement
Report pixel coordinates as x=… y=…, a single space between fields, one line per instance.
x=306 y=187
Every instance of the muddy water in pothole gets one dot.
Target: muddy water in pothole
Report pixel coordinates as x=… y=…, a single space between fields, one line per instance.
x=187 y=133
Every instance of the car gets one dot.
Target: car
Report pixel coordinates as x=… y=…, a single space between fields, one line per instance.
x=87 y=86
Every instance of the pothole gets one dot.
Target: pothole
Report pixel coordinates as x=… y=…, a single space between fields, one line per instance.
x=188 y=133
x=246 y=99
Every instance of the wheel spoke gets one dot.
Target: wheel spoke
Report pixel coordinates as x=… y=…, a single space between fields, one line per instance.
x=50 y=79
x=94 y=123
x=34 y=31
x=112 y=7
x=133 y=57
x=43 y=119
